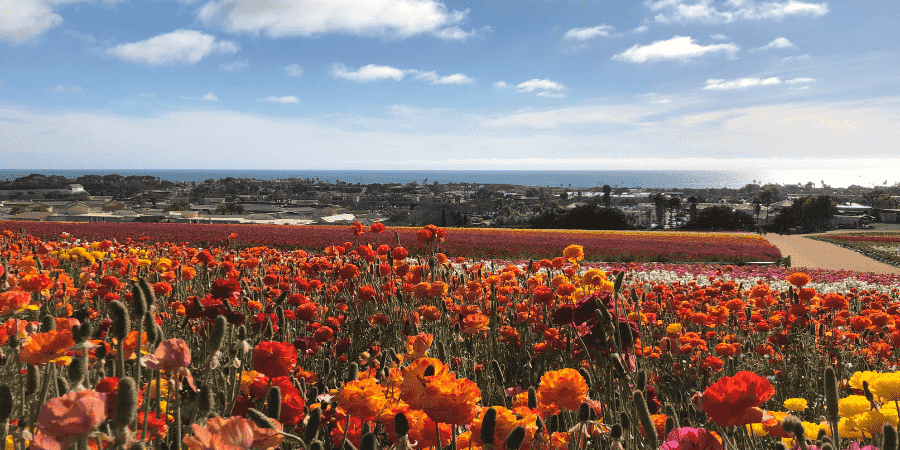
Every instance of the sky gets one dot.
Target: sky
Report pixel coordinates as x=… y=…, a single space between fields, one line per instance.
x=431 y=84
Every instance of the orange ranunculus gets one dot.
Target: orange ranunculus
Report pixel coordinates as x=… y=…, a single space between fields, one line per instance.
x=451 y=400
x=417 y=345
x=274 y=359
x=234 y=433
x=349 y=271
x=574 y=253
x=41 y=348
x=13 y=301
x=473 y=323
x=735 y=400
x=377 y=228
x=35 y=282
x=565 y=388
x=357 y=229
x=362 y=398
x=413 y=387
x=129 y=347
x=798 y=279
x=835 y=301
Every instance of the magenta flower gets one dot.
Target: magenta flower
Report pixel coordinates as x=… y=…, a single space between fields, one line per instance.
x=63 y=419
x=688 y=438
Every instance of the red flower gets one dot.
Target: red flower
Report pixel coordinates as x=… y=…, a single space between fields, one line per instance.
x=399 y=253
x=222 y=289
x=377 y=228
x=357 y=229
x=735 y=400
x=274 y=359
x=349 y=271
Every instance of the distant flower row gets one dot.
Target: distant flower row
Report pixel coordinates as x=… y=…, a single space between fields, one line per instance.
x=509 y=244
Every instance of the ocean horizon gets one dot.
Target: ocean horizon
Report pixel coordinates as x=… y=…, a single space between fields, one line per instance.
x=647 y=179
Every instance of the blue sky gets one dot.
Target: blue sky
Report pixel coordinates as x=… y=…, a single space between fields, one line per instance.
x=356 y=84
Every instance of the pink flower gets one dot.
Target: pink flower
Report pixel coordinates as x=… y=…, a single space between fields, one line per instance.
x=234 y=433
x=688 y=438
x=62 y=419
x=171 y=355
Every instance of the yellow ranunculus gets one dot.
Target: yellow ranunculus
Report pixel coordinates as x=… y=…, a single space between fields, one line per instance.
x=674 y=328
x=886 y=386
x=795 y=404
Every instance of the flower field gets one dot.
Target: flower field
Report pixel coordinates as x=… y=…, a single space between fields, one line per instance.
x=141 y=344
x=884 y=246
x=467 y=242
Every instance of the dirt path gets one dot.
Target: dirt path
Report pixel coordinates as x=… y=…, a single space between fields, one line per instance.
x=805 y=252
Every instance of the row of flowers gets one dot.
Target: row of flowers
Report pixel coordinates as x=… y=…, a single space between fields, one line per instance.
x=467 y=242
x=261 y=347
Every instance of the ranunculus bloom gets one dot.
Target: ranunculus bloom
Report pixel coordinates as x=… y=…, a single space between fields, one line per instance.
x=735 y=400
x=413 y=387
x=13 y=301
x=417 y=345
x=171 y=355
x=565 y=388
x=574 y=253
x=233 y=433
x=448 y=399
x=41 y=348
x=274 y=359
x=689 y=438
x=362 y=398
x=223 y=289
x=62 y=419
x=798 y=279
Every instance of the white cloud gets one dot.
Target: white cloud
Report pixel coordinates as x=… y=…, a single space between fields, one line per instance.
x=740 y=83
x=177 y=47
x=60 y=89
x=549 y=94
x=718 y=37
x=501 y=85
x=375 y=72
x=801 y=80
x=677 y=48
x=367 y=73
x=237 y=65
x=803 y=57
x=22 y=21
x=293 y=70
x=781 y=42
x=706 y=11
x=454 y=34
x=641 y=29
x=393 y=19
x=210 y=97
x=582 y=34
x=531 y=85
x=456 y=78
x=288 y=99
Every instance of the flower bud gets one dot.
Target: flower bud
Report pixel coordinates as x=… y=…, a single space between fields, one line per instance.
x=401 y=424
x=625 y=420
x=488 y=425
x=6 y=403
x=312 y=424
x=77 y=370
x=616 y=432
x=273 y=407
x=32 y=379
x=149 y=295
x=584 y=412
x=532 y=398
x=217 y=336
x=643 y=413
x=368 y=442
x=890 y=437
x=119 y=314
x=259 y=418
x=48 y=323
x=62 y=385
x=515 y=438
x=205 y=400
x=138 y=300
x=126 y=405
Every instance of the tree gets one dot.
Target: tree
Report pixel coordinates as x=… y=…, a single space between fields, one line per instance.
x=767 y=196
x=692 y=201
x=721 y=217
x=585 y=217
x=660 y=201
x=607 y=200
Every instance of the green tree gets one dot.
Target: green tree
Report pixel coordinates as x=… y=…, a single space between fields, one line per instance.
x=660 y=201
x=607 y=199
x=721 y=217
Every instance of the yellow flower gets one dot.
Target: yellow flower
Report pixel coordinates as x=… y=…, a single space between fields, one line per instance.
x=856 y=381
x=247 y=378
x=590 y=277
x=362 y=398
x=848 y=428
x=871 y=422
x=853 y=405
x=795 y=404
x=674 y=328
x=574 y=253
x=886 y=386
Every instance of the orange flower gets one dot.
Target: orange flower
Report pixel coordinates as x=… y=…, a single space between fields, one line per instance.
x=417 y=345
x=13 y=301
x=565 y=388
x=35 y=282
x=447 y=399
x=274 y=359
x=735 y=400
x=234 y=433
x=835 y=301
x=798 y=279
x=413 y=386
x=473 y=323
x=41 y=348
x=574 y=253
x=362 y=398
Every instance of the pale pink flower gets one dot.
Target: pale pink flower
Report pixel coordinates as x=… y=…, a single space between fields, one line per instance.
x=171 y=355
x=234 y=433
x=62 y=419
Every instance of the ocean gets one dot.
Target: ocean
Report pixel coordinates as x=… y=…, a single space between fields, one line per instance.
x=659 y=179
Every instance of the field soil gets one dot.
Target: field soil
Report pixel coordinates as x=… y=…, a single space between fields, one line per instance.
x=805 y=252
